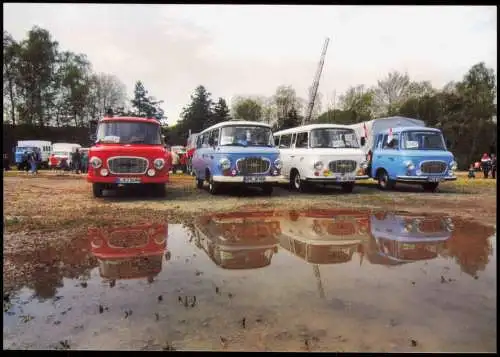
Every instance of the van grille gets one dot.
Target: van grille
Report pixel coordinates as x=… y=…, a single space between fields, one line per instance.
x=253 y=165
x=433 y=167
x=131 y=239
x=127 y=165
x=342 y=166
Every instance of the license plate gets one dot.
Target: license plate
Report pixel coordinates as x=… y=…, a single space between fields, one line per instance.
x=434 y=179
x=128 y=180
x=254 y=179
x=345 y=178
x=407 y=246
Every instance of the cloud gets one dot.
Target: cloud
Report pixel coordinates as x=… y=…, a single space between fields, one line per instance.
x=240 y=50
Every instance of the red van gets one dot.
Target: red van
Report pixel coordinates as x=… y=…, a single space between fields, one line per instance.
x=128 y=151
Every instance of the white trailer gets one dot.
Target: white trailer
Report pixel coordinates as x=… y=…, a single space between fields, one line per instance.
x=369 y=129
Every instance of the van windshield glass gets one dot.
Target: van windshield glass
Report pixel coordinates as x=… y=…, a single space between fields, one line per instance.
x=26 y=148
x=336 y=138
x=423 y=140
x=119 y=132
x=246 y=136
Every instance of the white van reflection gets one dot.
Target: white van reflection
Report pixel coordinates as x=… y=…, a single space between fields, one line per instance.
x=399 y=238
x=238 y=240
x=324 y=236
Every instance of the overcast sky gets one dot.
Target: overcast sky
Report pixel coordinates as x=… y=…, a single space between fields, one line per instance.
x=250 y=50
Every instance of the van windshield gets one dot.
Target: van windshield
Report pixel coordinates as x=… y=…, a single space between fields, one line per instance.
x=26 y=148
x=119 y=132
x=423 y=140
x=246 y=136
x=336 y=138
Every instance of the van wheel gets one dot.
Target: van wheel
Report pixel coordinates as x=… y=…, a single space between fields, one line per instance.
x=267 y=189
x=430 y=186
x=97 y=189
x=347 y=187
x=199 y=183
x=160 y=190
x=213 y=187
x=384 y=182
x=296 y=183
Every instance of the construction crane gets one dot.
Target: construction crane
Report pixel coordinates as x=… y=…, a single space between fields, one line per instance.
x=314 y=89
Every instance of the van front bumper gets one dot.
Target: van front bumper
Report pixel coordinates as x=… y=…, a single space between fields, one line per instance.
x=420 y=179
x=333 y=180
x=114 y=179
x=240 y=179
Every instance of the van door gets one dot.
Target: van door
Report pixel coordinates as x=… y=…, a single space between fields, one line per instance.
x=387 y=154
x=213 y=145
x=198 y=163
x=300 y=161
x=285 y=153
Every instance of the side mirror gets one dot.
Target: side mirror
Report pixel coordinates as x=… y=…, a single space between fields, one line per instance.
x=363 y=141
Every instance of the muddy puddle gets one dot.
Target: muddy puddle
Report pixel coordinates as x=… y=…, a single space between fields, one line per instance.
x=317 y=280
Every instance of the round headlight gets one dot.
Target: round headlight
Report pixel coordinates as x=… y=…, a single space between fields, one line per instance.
x=159 y=163
x=364 y=165
x=408 y=227
x=418 y=172
x=453 y=165
x=104 y=172
x=95 y=162
x=96 y=243
x=409 y=165
x=151 y=172
x=159 y=239
x=224 y=163
x=318 y=165
x=277 y=163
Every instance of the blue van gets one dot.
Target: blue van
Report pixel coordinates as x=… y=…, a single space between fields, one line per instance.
x=237 y=152
x=405 y=150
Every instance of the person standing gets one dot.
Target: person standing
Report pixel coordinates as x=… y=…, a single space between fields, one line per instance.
x=175 y=161
x=486 y=164
x=472 y=171
x=85 y=161
x=493 y=166
x=32 y=161
x=77 y=160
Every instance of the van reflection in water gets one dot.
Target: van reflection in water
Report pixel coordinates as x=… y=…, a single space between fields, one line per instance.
x=239 y=240
x=129 y=252
x=324 y=236
x=399 y=238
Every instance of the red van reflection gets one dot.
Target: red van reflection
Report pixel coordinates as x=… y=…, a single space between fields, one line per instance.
x=131 y=252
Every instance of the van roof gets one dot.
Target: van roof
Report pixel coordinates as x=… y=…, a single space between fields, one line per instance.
x=399 y=129
x=311 y=127
x=136 y=119
x=236 y=122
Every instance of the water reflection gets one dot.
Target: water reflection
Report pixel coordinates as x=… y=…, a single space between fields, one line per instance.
x=398 y=238
x=238 y=240
x=129 y=252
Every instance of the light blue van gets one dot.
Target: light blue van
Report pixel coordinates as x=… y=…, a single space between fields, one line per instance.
x=405 y=150
x=237 y=153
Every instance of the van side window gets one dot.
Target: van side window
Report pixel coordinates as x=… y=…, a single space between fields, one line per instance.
x=204 y=143
x=286 y=141
x=394 y=144
x=276 y=141
x=294 y=136
x=302 y=140
x=214 y=136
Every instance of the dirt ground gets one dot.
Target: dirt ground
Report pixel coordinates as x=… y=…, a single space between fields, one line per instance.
x=46 y=225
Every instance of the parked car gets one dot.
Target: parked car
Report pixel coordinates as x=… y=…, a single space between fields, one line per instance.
x=403 y=149
x=40 y=147
x=237 y=153
x=64 y=151
x=320 y=154
x=128 y=151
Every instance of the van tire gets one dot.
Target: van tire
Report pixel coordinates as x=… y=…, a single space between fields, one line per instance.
x=159 y=190
x=267 y=189
x=97 y=189
x=384 y=182
x=213 y=187
x=347 y=187
x=296 y=183
x=430 y=186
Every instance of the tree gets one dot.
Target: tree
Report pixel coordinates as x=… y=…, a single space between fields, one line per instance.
x=106 y=91
x=359 y=102
x=10 y=73
x=247 y=109
x=220 y=112
x=285 y=101
x=145 y=105
x=391 y=92
x=197 y=115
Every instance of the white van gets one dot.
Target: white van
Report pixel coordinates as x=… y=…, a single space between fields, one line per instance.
x=44 y=146
x=320 y=153
x=64 y=150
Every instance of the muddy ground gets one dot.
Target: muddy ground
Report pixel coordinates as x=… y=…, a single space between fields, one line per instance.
x=60 y=294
